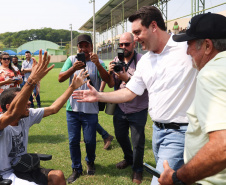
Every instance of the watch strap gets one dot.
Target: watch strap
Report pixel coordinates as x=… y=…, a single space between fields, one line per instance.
x=177 y=181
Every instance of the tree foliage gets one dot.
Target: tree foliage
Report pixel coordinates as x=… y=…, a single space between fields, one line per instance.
x=15 y=39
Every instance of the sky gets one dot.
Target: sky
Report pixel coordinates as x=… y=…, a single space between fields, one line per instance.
x=17 y=15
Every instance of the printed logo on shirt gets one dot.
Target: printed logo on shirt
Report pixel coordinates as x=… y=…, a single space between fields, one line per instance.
x=17 y=145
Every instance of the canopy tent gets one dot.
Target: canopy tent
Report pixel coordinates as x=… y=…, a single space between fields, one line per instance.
x=37 y=52
x=22 y=52
x=10 y=52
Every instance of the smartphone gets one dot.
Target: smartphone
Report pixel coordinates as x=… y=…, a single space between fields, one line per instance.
x=82 y=57
x=151 y=170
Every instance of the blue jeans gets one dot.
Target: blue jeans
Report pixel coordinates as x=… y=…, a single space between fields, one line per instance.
x=101 y=131
x=136 y=122
x=88 y=122
x=168 y=144
x=37 y=98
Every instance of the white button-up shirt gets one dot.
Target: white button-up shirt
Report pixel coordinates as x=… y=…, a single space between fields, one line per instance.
x=170 y=80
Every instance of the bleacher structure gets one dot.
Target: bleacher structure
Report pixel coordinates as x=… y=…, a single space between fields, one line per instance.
x=111 y=21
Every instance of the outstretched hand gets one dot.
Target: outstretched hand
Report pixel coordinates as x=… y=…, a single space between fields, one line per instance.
x=40 y=69
x=90 y=95
x=78 y=81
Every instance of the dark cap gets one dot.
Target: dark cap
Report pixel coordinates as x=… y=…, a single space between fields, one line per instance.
x=85 y=38
x=204 y=26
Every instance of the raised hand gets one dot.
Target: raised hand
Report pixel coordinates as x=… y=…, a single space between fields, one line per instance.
x=94 y=58
x=78 y=81
x=90 y=95
x=40 y=69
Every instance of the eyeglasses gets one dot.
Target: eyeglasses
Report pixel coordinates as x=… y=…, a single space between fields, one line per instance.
x=126 y=44
x=5 y=58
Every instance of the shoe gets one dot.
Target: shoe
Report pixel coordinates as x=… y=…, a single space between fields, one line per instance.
x=122 y=165
x=90 y=168
x=39 y=106
x=32 y=106
x=137 y=177
x=73 y=177
x=107 y=141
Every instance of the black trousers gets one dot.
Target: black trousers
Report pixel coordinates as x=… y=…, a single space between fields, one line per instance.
x=136 y=122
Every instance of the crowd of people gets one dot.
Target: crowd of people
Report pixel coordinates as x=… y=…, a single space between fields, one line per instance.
x=180 y=82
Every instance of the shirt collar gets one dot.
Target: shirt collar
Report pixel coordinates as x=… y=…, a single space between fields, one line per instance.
x=220 y=55
x=169 y=44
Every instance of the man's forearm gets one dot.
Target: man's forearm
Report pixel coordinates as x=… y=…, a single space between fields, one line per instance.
x=119 y=96
x=111 y=81
x=103 y=73
x=66 y=74
x=59 y=103
x=210 y=160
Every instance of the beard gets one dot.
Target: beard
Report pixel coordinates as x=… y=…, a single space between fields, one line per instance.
x=128 y=53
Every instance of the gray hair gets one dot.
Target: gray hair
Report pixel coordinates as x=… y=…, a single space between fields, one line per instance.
x=218 y=44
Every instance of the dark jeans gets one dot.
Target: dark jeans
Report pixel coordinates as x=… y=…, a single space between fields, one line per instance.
x=101 y=131
x=88 y=122
x=37 y=98
x=136 y=122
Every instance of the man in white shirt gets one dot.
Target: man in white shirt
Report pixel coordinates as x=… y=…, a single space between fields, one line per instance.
x=166 y=72
x=205 y=139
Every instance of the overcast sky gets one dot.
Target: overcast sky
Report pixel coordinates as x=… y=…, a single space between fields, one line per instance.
x=17 y=15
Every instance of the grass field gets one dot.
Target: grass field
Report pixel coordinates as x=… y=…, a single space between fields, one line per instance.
x=50 y=137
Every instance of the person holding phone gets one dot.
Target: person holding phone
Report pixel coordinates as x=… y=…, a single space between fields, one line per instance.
x=83 y=115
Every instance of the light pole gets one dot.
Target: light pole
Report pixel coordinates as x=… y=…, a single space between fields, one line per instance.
x=94 y=26
x=71 y=37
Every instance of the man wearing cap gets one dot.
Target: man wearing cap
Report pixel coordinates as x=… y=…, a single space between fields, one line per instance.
x=83 y=115
x=205 y=139
x=166 y=72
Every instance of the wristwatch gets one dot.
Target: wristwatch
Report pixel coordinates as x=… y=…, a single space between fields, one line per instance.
x=177 y=181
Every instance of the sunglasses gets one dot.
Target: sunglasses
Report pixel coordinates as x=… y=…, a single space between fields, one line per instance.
x=5 y=58
x=126 y=44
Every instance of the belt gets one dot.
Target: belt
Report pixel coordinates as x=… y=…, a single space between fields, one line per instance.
x=171 y=125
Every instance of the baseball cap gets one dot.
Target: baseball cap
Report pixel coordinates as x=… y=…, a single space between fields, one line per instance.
x=85 y=38
x=204 y=26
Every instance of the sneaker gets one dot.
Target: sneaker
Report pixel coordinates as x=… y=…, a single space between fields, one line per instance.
x=73 y=177
x=90 y=168
x=107 y=141
x=122 y=164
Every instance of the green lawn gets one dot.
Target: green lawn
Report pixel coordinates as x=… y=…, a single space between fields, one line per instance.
x=51 y=137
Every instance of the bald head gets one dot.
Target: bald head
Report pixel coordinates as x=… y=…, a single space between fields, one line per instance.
x=126 y=42
x=128 y=36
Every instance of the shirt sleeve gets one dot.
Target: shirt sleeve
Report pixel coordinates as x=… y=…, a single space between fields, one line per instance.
x=23 y=65
x=210 y=101
x=103 y=64
x=136 y=84
x=35 y=116
x=67 y=65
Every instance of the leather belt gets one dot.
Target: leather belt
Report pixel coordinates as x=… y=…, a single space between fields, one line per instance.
x=171 y=125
